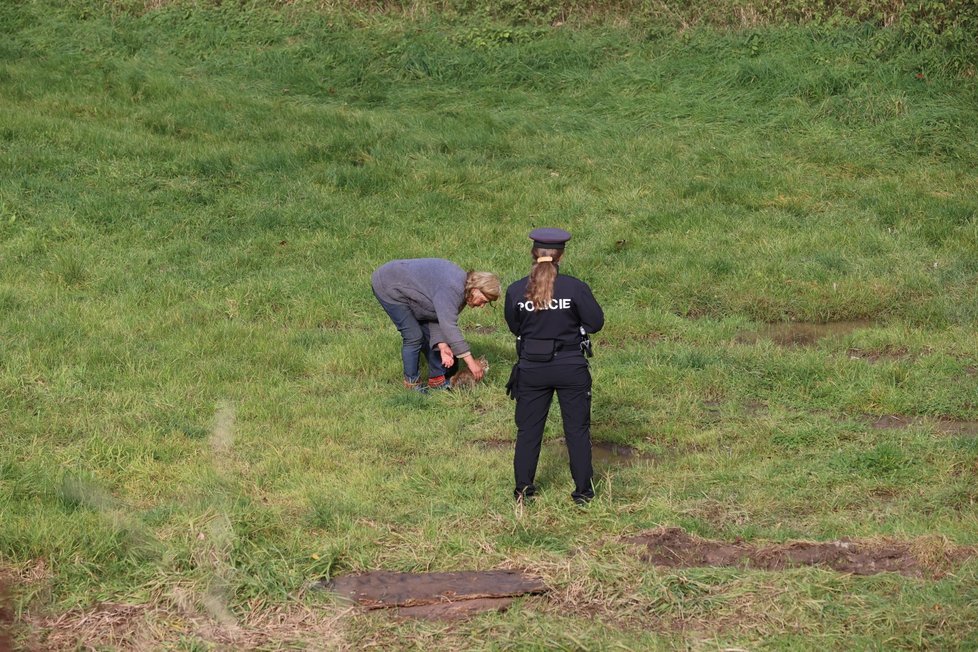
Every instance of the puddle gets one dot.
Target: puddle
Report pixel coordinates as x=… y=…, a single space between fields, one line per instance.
x=674 y=548
x=436 y=595
x=603 y=453
x=801 y=334
x=952 y=427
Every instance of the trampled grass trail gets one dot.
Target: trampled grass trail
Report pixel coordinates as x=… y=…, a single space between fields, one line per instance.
x=200 y=402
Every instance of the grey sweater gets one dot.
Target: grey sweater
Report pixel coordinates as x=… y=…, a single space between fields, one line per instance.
x=434 y=290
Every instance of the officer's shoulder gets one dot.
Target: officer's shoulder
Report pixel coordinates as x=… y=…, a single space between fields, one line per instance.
x=520 y=283
x=571 y=280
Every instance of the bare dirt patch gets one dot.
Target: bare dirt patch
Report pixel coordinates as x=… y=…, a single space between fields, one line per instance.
x=6 y=619
x=454 y=610
x=118 y=625
x=630 y=339
x=436 y=595
x=33 y=573
x=890 y=422
x=716 y=411
x=157 y=625
x=879 y=355
x=712 y=412
x=608 y=453
x=941 y=425
x=675 y=548
x=802 y=334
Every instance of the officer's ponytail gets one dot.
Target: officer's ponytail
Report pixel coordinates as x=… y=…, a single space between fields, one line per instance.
x=540 y=289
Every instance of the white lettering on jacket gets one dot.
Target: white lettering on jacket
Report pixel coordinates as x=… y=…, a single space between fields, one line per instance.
x=555 y=304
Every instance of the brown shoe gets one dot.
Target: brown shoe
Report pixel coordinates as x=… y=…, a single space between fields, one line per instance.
x=415 y=386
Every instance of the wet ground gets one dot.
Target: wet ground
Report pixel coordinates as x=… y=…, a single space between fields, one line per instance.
x=436 y=595
x=675 y=548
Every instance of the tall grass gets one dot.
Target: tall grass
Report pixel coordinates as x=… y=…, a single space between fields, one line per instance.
x=199 y=396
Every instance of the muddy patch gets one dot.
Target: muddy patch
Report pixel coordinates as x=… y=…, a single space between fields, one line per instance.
x=889 y=422
x=6 y=618
x=879 y=355
x=611 y=454
x=674 y=548
x=630 y=339
x=712 y=412
x=715 y=411
x=944 y=426
x=603 y=453
x=801 y=334
x=436 y=595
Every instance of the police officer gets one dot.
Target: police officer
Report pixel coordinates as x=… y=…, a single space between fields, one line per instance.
x=552 y=316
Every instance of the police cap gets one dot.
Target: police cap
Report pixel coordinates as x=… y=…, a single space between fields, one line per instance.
x=548 y=238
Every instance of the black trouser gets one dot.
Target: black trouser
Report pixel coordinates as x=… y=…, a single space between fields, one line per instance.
x=535 y=391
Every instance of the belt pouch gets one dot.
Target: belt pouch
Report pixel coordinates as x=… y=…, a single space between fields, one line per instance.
x=539 y=350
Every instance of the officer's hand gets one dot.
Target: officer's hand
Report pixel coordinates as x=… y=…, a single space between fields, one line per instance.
x=474 y=367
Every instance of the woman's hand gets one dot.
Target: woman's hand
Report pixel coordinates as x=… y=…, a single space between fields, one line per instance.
x=477 y=371
x=447 y=357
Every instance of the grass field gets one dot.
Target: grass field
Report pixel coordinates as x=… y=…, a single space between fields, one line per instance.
x=200 y=400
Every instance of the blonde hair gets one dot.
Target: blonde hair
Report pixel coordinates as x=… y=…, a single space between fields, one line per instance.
x=540 y=289
x=484 y=282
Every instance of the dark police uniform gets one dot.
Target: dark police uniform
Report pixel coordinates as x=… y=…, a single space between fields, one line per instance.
x=540 y=333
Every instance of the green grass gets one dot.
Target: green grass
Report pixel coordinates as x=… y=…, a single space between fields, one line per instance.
x=200 y=397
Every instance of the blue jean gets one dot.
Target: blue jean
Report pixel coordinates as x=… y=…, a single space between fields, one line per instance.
x=416 y=338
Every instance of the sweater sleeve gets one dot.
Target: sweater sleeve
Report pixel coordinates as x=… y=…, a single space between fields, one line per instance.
x=447 y=330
